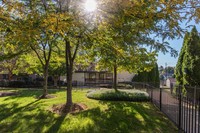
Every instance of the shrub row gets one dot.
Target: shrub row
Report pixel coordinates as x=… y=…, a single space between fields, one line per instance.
x=20 y=84
x=120 y=95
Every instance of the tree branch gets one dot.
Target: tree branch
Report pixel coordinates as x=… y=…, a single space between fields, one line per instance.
x=75 y=51
x=37 y=55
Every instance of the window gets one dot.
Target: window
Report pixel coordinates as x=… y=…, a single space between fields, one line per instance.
x=101 y=75
x=92 y=76
x=5 y=76
x=109 y=76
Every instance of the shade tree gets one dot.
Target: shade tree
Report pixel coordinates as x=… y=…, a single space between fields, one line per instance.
x=14 y=65
x=73 y=29
x=149 y=77
x=57 y=65
x=126 y=36
x=115 y=56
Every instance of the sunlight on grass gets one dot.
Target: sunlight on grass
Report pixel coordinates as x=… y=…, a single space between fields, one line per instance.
x=24 y=113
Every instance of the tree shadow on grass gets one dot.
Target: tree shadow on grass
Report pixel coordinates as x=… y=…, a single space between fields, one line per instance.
x=28 y=118
x=17 y=117
x=119 y=117
x=14 y=108
x=57 y=123
x=150 y=119
x=125 y=117
x=30 y=93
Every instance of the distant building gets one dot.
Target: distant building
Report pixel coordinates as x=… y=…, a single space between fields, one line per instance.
x=5 y=76
x=170 y=82
x=90 y=76
x=98 y=77
x=82 y=76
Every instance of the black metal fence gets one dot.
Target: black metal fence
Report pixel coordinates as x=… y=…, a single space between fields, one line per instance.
x=181 y=105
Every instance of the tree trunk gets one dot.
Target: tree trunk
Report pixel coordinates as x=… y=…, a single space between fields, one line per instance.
x=55 y=81
x=115 y=78
x=69 y=67
x=45 y=80
x=10 y=75
x=69 y=88
x=59 y=83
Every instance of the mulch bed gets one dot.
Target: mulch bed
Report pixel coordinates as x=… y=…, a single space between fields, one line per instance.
x=4 y=94
x=61 y=108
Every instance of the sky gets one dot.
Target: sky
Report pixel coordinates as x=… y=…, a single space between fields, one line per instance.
x=167 y=60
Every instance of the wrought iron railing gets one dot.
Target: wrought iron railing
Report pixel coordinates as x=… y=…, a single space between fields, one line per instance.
x=180 y=104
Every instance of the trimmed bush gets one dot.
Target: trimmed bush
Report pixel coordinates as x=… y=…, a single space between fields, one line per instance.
x=120 y=95
x=21 y=84
x=16 y=83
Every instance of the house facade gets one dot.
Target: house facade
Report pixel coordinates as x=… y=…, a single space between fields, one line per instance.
x=83 y=76
x=100 y=78
x=3 y=77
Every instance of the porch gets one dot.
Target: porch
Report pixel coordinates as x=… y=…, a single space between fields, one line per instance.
x=98 y=78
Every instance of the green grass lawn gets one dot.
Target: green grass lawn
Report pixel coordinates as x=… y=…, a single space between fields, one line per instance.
x=24 y=113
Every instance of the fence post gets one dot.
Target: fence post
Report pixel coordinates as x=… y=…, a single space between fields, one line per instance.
x=179 y=115
x=160 y=98
x=195 y=108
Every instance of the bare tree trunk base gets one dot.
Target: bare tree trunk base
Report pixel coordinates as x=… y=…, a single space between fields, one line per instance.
x=63 y=109
x=116 y=90
x=68 y=107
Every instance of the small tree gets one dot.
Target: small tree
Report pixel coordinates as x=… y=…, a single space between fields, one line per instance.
x=57 y=66
x=151 y=77
x=179 y=65
x=156 y=79
x=13 y=64
x=191 y=60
